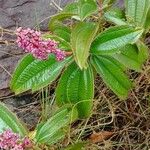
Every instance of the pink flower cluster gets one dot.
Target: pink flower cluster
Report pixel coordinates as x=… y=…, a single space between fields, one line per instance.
x=12 y=141
x=31 y=41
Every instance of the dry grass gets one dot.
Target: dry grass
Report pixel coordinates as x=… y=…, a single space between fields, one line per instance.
x=128 y=119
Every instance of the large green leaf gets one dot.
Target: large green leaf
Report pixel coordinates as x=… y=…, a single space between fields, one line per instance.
x=86 y=8
x=81 y=39
x=143 y=52
x=60 y=30
x=110 y=41
x=35 y=74
x=82 y=9
x=136 y=11
x=52 y=130
x=71 y=8
x=55 y=21
x=132 y=57
x=116 y=16
x=8 y=120
x=76 y=10
x=147 y=22
x=59 y=17
x=112 y=75
x=76 y=87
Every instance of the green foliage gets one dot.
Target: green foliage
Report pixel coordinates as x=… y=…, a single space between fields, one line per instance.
x=47 y=133
x=95 y=47
x=101 y=39
x=147 y=22
x=81 y=38
x=8 y=120
x=143 y=52
x=112 y=75
x=77 y=146
x=53 y=129
x=116 y=16
x=60 y=30
x=76 y=87
x=110 y=41
x=82 y=9
x=62 y=43
x=35 y=74
x=132 y=56
x=137 y=10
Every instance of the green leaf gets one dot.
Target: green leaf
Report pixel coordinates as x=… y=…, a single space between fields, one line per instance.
x=143 y=52
x=82 y=9
x=81 y=39
x=8 y=120
x=76 y=87
x=112 y=75
x=60 y=30
x=60 y=134
x=116 y=16
x=130 y=57
x=86 y=8
x=55 y=21
x=77 y=146
x=51 y=131
x=136 y=11
x=59 y=17
x=35 y=74
x=71 y=8
x=64 y=45
x=110 y=41
x=147 y=22
x=77 y=10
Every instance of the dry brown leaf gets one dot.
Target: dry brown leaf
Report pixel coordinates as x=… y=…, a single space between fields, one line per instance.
x=100 y=136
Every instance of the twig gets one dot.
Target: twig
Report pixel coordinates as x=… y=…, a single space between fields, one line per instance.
x=16 y=55
x=56 y=5
x=100 y=7
x=68 y=53
x=5 y=30
x=5 y=70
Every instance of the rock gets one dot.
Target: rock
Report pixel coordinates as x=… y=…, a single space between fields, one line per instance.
x=9 y=64
x=25 y=108
x=27 y=13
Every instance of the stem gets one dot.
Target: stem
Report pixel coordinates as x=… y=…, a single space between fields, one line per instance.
x=56 y=5
x=7 y=31
x=5 y=70
x=68 y=53
x=100 y=7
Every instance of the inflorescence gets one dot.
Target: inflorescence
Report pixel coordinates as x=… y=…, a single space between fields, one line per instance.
x=32 y=42
x=12 y=141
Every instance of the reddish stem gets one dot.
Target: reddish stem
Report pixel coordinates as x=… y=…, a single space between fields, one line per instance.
x=68 y=53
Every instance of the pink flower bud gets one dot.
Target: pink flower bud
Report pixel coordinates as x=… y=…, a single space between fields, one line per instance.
x=31 y=41
x=12 y=141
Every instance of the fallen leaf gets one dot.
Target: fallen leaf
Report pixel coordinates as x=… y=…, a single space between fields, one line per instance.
x=100 y=136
